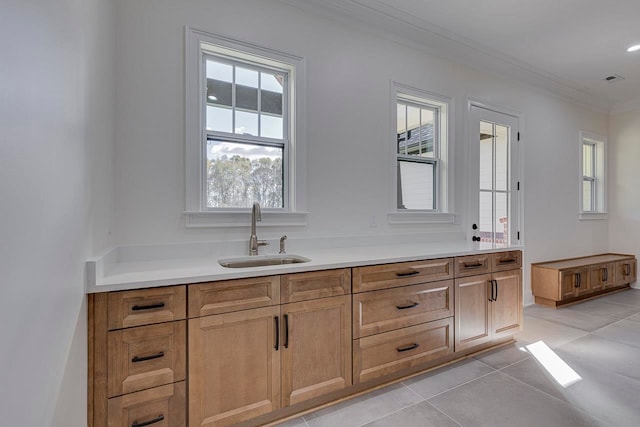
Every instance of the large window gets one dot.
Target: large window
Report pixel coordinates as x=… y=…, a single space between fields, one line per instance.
x=592 y=176
x=244 y=139
x=420 y=145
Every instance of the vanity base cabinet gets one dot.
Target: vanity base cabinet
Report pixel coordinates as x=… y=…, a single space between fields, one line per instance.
x=560 y=282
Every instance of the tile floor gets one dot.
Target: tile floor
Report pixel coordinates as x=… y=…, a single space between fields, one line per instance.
x=599 y=340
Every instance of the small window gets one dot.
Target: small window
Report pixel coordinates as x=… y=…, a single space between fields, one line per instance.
x=420 y=141
x=592 y=173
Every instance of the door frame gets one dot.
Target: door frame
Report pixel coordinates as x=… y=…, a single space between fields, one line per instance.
x=517 y=165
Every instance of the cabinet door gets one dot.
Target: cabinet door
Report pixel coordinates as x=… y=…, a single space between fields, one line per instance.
x=601 y=277
x=472 y=311
x=234 y=367
x=506 y=309
x=584 y=284
x=625 y=272
x=316 y=353
x=568 y=284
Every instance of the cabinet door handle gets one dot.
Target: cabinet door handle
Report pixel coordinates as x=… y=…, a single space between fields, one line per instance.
x=507 y=261
x=407 y=348
x=491 y=295
x=476 y=265
x=286 y=331
x=147 y=307
x=577 y=280
x=276 y=320
x=407 y=273
x=145 y=358
x=605 y=274
x=496 y=297
x=148 y=423
x=404 y=307
x=627 y=270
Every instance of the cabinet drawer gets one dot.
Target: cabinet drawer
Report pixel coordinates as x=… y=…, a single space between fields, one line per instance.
x=146 y=356
x=317 y=284
x=401 y=274
x=146 y=306
x=472 y=265
x=384 y=354
x=233 y=295
x=502 y=261
x=386 y=310
x=158 y=407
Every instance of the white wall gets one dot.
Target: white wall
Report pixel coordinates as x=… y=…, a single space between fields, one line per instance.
x=624 y=178
x=56 y=153
x=348 y=75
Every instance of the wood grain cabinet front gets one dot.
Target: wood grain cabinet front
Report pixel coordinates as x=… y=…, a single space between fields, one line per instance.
x=381 y=311
x=314 y=285
x=146 y=356
x=146 y=306
x=157 y=407
x=401 y=274
x=472 y=265
x=626 y=272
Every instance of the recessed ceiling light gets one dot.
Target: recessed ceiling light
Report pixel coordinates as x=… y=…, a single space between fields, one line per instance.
x=634 y=48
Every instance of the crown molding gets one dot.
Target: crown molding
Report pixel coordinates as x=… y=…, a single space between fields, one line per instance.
x=391 y=23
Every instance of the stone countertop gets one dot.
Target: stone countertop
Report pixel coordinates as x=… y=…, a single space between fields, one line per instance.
x=152 y=273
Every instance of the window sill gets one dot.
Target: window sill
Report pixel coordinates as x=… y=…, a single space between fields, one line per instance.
x=421 y=218
x=243 y=219
x=589 y=216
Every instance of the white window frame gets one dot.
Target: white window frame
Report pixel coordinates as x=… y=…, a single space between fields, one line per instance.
x=599 y=190
x=294 y=154
x=443 y=138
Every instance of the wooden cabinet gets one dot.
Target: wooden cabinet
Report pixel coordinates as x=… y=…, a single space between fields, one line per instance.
x=316 y=348
x=560 y=282
x=234 y=366
x=137 y=358
x=388 y=276
x=233 y=295
x=488 y=306
x=251 y=362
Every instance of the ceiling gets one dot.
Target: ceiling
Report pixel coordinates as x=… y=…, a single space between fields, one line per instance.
x=566 y=45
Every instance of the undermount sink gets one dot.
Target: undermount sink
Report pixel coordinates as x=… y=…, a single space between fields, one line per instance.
x=262 y=261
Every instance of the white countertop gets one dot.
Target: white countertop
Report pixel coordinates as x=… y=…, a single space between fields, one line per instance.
x=122 y=275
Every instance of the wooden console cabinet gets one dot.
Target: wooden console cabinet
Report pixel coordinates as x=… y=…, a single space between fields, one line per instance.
x=555 y=283
x=251 y=351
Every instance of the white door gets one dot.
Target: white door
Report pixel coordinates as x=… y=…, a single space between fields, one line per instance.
x=495 y=175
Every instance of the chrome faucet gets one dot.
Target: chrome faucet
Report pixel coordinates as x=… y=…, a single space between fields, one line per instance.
x=282 y=239
x=254 y=243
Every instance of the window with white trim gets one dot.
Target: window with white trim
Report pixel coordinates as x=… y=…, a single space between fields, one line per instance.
x=592 y=182
x=243 y=143
x=421 y=146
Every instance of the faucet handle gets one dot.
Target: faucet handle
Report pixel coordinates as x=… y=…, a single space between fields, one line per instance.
x=282 y=239
x=262 y=243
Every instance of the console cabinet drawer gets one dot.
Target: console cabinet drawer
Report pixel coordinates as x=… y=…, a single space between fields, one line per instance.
x=386 y=310
x=401 y=274
x=233 y=295
x=472 y=265
x=163 y=406
x=146 y=306
x=316 y=284
x=146 y=356
x=390 y=352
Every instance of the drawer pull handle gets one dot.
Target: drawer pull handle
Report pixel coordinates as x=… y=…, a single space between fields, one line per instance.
x=148 y=423
x=508 y=261
x=404 y=307
x=145 y=358
x=407 y=348
x=147 y=307
x=476 y=265
x=408 y=273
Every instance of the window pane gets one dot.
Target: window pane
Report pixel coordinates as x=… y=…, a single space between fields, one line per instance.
x=401 y=120
x=271 y=102
x=486 y=216
x=272 y=82
x=246 y=77
x=247 y=98
x=219 y=119
x=427 y=126
x=413 y=126
x=587 y=192
x=219 y=71
x=271 y=126
x=486 y=156
x=239 y=174
x=502 y=144
x=587 y=160
x=415 y=185
x=246 y=123
x=502 y=218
